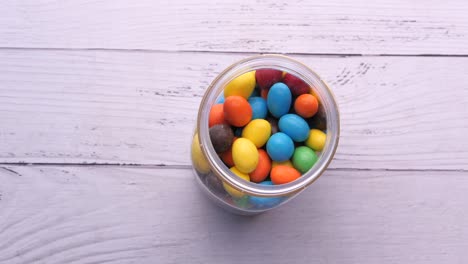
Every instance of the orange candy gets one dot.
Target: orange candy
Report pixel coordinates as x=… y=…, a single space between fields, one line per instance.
x=237 y=111
x=306 y=105
x=264 y=93
x=263 y=168
x=283 y=174
x=216 y=116
x=227 y=156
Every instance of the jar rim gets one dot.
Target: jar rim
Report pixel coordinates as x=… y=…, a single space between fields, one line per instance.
x=326 y=98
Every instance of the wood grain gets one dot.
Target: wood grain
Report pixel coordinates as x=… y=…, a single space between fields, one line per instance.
x=339 y=27
x=140 y=108
x=53 y=215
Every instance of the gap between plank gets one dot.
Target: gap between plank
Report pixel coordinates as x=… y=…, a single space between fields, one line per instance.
x=236 y=52
x=178 y=167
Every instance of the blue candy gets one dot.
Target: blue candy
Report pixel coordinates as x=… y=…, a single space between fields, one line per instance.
x=294 y=126
x=265 y=202
x=259 y=107
x=280 y=147
x=279 y=100
x=220 y=99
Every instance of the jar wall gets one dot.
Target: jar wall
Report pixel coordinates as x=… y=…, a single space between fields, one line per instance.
x=230 y=191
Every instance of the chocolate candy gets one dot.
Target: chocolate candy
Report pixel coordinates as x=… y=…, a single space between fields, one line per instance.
x=221 y=137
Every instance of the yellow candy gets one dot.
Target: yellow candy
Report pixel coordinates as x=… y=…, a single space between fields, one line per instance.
x=233 y=192
x=198 y=159
x=284 y=163
x=258 y=131
x=316 y=140
x=242 y=85
x=244 y=155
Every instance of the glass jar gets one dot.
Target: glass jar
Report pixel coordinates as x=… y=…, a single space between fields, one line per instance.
x=214 y=176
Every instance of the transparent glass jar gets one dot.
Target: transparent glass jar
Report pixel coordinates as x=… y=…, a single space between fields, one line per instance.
x=214 y=176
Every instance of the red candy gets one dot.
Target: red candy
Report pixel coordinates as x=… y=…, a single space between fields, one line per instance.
x=296 y=85
x=267 y=77
x=264 y=94
x=227 y=156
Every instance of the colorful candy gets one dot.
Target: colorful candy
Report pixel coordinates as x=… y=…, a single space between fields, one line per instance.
x=279 y=100
x=304 y=158
x=264 y=94
x=294 y=126
x=221 y=137
x=306 y=105
x=297 y=85
x=258 y=131
x=227 y=156
x=220 y=99
x=284 y=163
x=280 y=147
x=241 y=86
x=263 y=168
x=216 y=116
x=267 y=77
x=237 y=111
x=265 y=202
x=199 y=161
x=284 y=174
x=259 y=107
x=316 y=140
x=233 y=192
x=278 y=121
x=244 y=155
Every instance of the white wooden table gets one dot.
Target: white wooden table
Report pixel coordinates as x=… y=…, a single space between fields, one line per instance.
x=98 y=101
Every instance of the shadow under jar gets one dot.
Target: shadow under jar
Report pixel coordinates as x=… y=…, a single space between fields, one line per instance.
x=232 y=192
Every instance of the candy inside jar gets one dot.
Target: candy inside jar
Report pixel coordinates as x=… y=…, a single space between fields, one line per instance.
x=264 y=134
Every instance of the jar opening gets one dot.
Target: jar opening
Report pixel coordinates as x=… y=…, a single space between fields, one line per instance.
x=327 y=102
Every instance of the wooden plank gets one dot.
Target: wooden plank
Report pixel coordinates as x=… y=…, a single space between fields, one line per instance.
x=124 y=215
x=342 y=27
x=126 y=107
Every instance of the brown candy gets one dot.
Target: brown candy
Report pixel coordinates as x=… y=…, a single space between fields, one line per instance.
x=319 y=120
x=221 y=137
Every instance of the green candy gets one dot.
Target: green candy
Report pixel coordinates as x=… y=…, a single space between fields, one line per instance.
x=242 y=202
x=304 y=158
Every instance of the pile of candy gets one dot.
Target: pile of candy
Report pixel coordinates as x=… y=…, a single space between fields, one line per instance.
x=267 y=127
